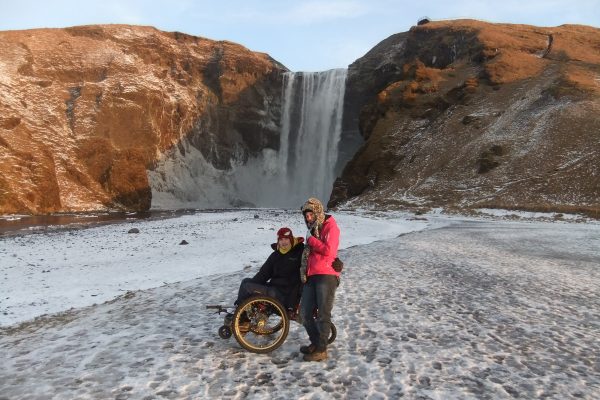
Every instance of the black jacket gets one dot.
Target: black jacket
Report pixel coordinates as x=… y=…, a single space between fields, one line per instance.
x=282 y=271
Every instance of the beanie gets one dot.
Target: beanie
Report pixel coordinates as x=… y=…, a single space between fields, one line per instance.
x=285 y=233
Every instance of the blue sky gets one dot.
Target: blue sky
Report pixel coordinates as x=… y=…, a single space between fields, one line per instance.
x=306 y=35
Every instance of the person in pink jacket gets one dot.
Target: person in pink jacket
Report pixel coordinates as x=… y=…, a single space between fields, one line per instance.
x=319 y=277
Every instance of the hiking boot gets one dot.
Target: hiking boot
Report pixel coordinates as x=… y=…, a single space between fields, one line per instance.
x=308 y=349
x=316 y=356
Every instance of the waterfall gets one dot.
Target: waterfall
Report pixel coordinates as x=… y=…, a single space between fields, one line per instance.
x=302 y=167
x=310 y=133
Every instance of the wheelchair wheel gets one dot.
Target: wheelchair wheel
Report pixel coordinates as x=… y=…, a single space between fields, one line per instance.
x=260 y=324
x=332 y=334
x=224 y=332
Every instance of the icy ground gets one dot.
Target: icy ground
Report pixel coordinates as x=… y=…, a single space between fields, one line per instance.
x=470 y=309
x=63 y=269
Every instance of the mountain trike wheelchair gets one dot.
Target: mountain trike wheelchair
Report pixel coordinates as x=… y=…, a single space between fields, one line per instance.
x=260 y=324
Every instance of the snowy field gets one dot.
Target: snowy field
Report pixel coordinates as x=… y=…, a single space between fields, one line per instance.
x=77 y=268
x=427 y=309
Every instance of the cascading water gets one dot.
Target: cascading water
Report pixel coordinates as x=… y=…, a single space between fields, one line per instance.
x=304 y=165
x=311 y=127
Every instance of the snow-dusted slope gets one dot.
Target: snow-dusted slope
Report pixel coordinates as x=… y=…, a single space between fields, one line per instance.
x=468 y=114
x=472 y=310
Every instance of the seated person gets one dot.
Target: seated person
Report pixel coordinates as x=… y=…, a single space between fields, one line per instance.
x=279 y=277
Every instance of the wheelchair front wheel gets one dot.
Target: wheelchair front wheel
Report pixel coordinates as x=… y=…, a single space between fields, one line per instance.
x=225 y=332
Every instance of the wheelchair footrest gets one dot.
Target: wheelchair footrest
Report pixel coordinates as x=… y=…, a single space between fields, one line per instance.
x=218 y=307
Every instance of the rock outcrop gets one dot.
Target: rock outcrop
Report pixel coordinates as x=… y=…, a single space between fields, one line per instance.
x=471 y=114
x=86 y=111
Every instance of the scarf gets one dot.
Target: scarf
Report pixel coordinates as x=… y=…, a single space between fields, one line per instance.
x=312 y=204
x=284 y=251
x=316 y=232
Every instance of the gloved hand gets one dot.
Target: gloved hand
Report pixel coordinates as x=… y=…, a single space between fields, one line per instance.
x=337 y=265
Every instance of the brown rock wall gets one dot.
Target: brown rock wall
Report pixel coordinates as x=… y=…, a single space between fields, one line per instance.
x=86 y=110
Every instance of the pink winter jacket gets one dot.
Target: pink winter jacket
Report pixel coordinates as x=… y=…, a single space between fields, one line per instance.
x=323 y=251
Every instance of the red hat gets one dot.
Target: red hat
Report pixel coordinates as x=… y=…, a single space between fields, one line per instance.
x=285 y=233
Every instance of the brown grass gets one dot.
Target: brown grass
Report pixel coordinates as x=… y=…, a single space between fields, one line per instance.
x=509 y=53
x=576 y=43
x=511 y=66
x=512 y=52
x=417 y=79
x=583 y=78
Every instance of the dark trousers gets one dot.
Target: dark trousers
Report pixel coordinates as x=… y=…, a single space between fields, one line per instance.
x=249 y=288
x=318 y=292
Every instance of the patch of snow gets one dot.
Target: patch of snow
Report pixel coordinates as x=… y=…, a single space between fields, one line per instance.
x=11 y=217
x=436 y=211
x=394 y=50
x=528 y=214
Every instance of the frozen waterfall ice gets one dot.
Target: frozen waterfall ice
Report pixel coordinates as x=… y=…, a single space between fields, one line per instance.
x=302 y=167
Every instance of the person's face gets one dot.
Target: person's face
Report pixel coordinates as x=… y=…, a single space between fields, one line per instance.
x=284 y=242
x=309 y=217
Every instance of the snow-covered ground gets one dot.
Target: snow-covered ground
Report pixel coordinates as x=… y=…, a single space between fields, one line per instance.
x=460 y=309
x=63 y=269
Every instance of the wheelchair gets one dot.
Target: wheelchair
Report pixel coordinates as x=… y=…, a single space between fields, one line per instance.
x=260 y=324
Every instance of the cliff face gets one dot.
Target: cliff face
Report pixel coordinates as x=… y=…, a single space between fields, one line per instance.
x=86 y=111
x=470 y=114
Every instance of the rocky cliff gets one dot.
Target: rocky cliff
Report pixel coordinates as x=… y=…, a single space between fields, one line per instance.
x=86 y=111
x=470 y=114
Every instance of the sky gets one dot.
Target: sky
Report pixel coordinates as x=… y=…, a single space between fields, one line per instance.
x=304 y=35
